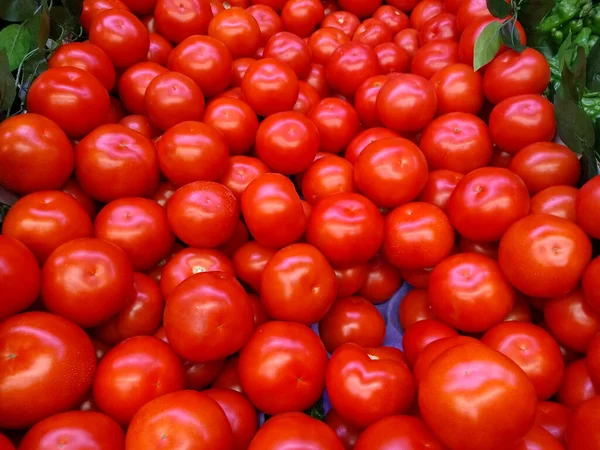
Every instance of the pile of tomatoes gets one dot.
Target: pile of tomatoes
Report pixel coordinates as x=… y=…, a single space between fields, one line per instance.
x=203 y=186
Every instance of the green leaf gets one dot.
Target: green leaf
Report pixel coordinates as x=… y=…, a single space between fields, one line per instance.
x=589 y=166
x=579 y=71
x=14 y=40
x=511 y=37
x=316 y=411
x=574 y=126
x=593 y=68
x=30 y=70
x=565 y=51
x=44 y=31
x=76 y=6
x=63 y=23
x=541 y=42
x=498 y=8
x=7 y=83
x=531 y=12
x=17 y=10
x=487 y=45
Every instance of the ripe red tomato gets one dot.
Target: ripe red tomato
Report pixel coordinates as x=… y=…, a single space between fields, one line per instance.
x=41 y=350
x=395 y=19
x=92 y=7
x=554 y=250
x=205 y=60
x=527 y=72
x=408 y=40
x=178 y=20
x=346 y=433
x=241 y=171
x=471 y=10
x=365 y=386
x=439 y=27
x=586 y=205
x=364 y=138
x=539 y=438
x=486 y=202
x=75 y=428
x=434 y=56
x=372 y=32
x=240 y=66
x=365 y=100
x=438 y=188
x=180 y=419
x=238 y=30
x=577 y=386
x=350 y=280
x=342 y=20
x=133 y=84
x=73 y=98
x=415 y=306
x=45 y=220
x=141 y=124
x=114 y=161
x=350 y=65
x=558 y=201
x=270 y=86
x=268 y=21
x=295 y=429
x=318 y=80
x=488 y=249
x=582 y=432
x=290 y=49
x=324 y=42
x=337 y=123
x=458 y=89
x=301 y=17
x=553 y=417
x=422 y=333
x=140 y=7
x=423 y=11
x=362 y=8
x=301 y=360
x=326 y=176
x=398 y=432
x=392 y=58
x=307 y=99
x=236 y=121
x=433 y=349
x=203 y=214
x=228 y=377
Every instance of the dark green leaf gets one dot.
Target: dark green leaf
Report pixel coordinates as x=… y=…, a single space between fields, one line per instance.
x=316 y=411
x=589 y=166
x=7 y=83
x=44 y=31
x=487 y=45
x=510 y=36
x=74 y=5
x=63 y=23
x=578 y=70
x=593 y=68
x=565 y=51
x=498 y=8
x=17 y=10
x=531 y=12
x=541 y=42
x=574 y=126
x=30 y=70
x=14 y=40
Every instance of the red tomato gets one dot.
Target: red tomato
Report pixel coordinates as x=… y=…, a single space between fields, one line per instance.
x=114 y=161
x=240 y=66
x=438 y=188
x=364 y=138
x=343 y=20
x=582 y=433
x=553 y=417
x=362 y=8
x=434 y=56
x=350 y=280
x=383 y=280
x=422 y=333
x=398 y=432
x=295 y=429
x=290 y=49
x=163 y=193
x=242 y=171
x=179 y=420
x=326 y=176
x=139 y=123
x=324 y=42
x=228 y=377
x=337 y=123
x=133 y=84
x=586 y=205
x=318 y=80
x=555 y=250
x=545 y=164
x=530 y=119
x=486 y=202
x=160 y=49
x=351 y=64
x=491 y=384
x=241 y=415
x=45 y=220
x=238 y=30
x=395 y=19
x=347 y=434
x=75 y=429
x=408 y=40
x=423 y=11
x=365 y=387
x=270 y=86
x=470 y=11
x=71 y=97
x=41 y=350
x=268 y=21
x=439 y=27
x=88 y=57
x=558 y=201
x=432 y=350
x=92 y=7
x=365 y=100
x=176 y=20
x=577 y=386
x=140 y=7
x=240 y=236
x=406 y=103
x=372 y=32
x=589 y=284
x=415 y=306
x=203 y=214
x=301 y=17
x=392 y=58
x=307 y=99
x=205 y=60
x=111 y=28
x=488 y=249
x=235 y=120
x=538 y=438
x=301 y=360
x=458 y=89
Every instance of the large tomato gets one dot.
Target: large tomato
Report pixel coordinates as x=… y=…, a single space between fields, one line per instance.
x=434 y=56
x=270 y=86
x=268 y=20
x=440 y=27
x=349 y=65
x=577 y=385
x=291 y=50
x=326 y=176
x=92 y=7
x=583 y=432
x=587 y=203
x=458 y=89
x=337 y=122
x=133 y=84
x=323 y=43
x=236 y=121
x=301 y=361
x=42 y=353
x=372 y=32
x=438 y=188
x=558 y=201
x=553 y=417
x=398 y=432
x=422 y=333
x=177 y=19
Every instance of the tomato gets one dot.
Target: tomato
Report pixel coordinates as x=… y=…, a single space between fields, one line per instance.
x=324 y=42
x=408 y=40
x=383 y=280
x=350 y=65
x=203 y=214
x=346 y=433
x=555 y=250
x=470 y=11
x=236 y=121
x=111 y=28
x=558 y=201
x=205 y=60
x=577 y=386
x=301 y=17
x=406 y=103
x=326 y=176
x=178 y=420
x=589 y=284
x=538 y=438
x=399 y=432
x=301 y=360
x=351 y=279
x=365 y=387
x=571 y=320
x=491 y=384
x=365 y=100
x=238 y=30
x=92 y=7
x=290 y=49
x=114 y=161
x=239 y=67
x=457 y=141
x=486 y=202
x=41 y=350
x=362 y=8
x=75 y=429
x=317 y=79
x=372 y=32
x=241 y=415
x=241 y=171
x=488 y=249
x=395 y=19
x=438 y=188
x=270 y=86
x=342 y=20
x=553 y=417
x=520 y=312
x=73 y=98
x=423 y=11
x=139 y=123
x=45 y=220
x=134 y=82
x=415 y=306
x=392 y=58
x=422 y=333
x=429 y=353
x=337 y=123
x=140 y=7
x=177 y=20
x=582 y=432
x=545 y=164
x=228 y=376
x=458 y=89
x=295 y=429
x=586 y=205
x=163 y=193
x=433 y=57
x=439 y=27
x=364 y=138
x=307 y=99
x=268 y=21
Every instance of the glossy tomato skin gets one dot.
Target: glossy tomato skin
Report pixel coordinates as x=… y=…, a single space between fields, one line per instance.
x=347 y=434
x=296 y=430
x=392 y=58
x=438 y=188
x=539 y=438
x=323 y=43
x=530 y=119
x=553 y=417
x=133 y=373
x=182 y=419
x=582 y=432
x=342 y=20
x=268 y=21
x=177 y=22
x=45 y=220
x=589 y=284
x=83 y=429
x=577 y=385
x=298 y=284
x=41 y=349
x=133 y=83
x=363 y=389
x=561 y=252
x=347 y=228
x=395 y=19
x=329 y=175
x=291 y=50
x=270 y=86
x=408 y=40
x=301 y=17
x=558 y=201
x=160 y=49
x=486 y=202
x=364 y=138
x=470 y=11
x=458 y=89
x=398 y=432
x=238 y=30
x=141 y=124
x=337 y=123
x=434 y=56
x=586 y=206
x=92 y=7
x=477 y=372
x=422 y=333
x=208 y=317
x=415 y=306
x=73 y=98
x=241 y=171
x=351 y=64
x=372 y=32
x=439 y=27
x=534 y=350
x=383 y=280
x=87 y=281
x=236 y=121
x=365 y=100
